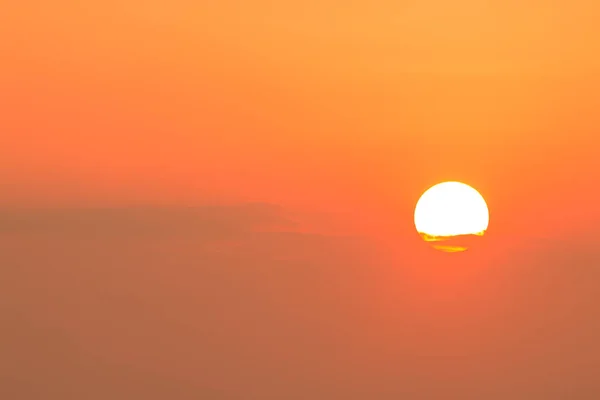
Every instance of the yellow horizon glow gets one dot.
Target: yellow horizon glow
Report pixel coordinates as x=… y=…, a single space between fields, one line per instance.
x=451 y=209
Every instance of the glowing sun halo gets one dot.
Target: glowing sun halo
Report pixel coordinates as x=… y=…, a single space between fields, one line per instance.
x=449 y=214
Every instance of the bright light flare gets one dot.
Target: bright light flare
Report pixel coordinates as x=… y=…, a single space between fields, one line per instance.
x=448 y=211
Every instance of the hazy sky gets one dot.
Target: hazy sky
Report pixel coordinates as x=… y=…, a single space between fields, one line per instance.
x=214 y=199
x=231 y=302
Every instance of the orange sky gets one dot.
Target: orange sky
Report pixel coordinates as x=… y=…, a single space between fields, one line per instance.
x=333 y=114
x=329 y=105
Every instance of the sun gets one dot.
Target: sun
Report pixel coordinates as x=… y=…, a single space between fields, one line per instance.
x=451 y=215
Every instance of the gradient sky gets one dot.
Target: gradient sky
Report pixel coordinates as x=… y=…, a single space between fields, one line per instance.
x=320 y=122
